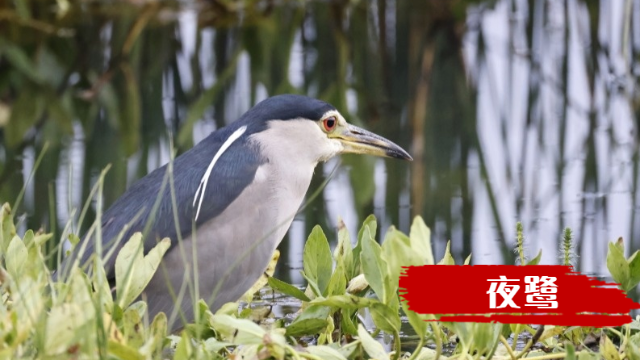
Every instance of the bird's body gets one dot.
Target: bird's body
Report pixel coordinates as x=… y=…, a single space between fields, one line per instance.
x=236 y=196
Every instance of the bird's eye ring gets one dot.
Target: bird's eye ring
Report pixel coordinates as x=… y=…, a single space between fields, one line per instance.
x=330 y=123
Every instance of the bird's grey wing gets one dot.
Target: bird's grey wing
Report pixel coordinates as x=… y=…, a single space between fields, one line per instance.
x=133 y=211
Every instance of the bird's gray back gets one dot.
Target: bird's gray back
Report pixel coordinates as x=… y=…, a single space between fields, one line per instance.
x=133 y=210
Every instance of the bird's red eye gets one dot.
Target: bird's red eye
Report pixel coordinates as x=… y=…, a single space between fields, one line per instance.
x=330 y=123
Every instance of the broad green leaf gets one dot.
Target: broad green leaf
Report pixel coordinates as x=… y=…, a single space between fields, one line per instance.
x=63 y=325
x=370 y=345
x=317 y=261
x=344 y=302
x=122 y=351
x=535 y=260
x=343 y=253
x=16 y=258
x=238 y=331
x=287 y=289
x=101 y=284
x=375 y=268
x=447 y=259
x=8 y=229
x=633 y=351
x=607 y=350
x=310 y=322
x=417 y=321
x=325 y=352
x=617 y=265
x=338 y=282
x=420 y=236
x=570 y=350
x=467 y=261
x=133 y=328
x=385 y=318
x=371 y=224
x=157 y=334
x=398 y=254
x=634 y=271
x=133 y=270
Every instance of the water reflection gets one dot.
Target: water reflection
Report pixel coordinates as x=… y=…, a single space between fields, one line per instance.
x=513 y=110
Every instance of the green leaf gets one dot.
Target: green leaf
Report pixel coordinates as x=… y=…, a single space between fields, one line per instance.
x=447 y=259
x=239 y=331
x=317 y=259
x=570 y=350
x=536 y=260
x=385 y=318
x=375 y=268
x=371 y=224
x=607 y=350
x=633 y=351
x=338 y=282
x=420 y=236
x=8 y=229
x=417 y=321
x=325 y=352
x=287 y=289
x=16 y=258
x=133 y=327
x=634 y=271
x=157 y=334
x=344 y=251
x=123 y=351
x=370 y=345
x=617 y=265
x=344 y=302
x=133 y=270
x=310 y=322
x=398 y=254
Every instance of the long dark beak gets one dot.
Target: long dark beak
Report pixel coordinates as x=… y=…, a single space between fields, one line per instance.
x=360 y=141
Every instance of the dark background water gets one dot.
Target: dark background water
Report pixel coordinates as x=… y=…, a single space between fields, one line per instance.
x=513 y=110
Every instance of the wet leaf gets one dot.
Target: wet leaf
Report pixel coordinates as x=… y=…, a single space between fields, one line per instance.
x=287 y=289
x=317 y=259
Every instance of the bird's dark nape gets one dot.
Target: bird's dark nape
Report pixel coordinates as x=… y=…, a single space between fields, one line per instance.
x=287 y=107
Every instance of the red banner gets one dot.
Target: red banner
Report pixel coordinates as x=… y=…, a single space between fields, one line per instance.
x=541 y=294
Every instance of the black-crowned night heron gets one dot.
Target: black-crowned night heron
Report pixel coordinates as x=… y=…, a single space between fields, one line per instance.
x=239 y=189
